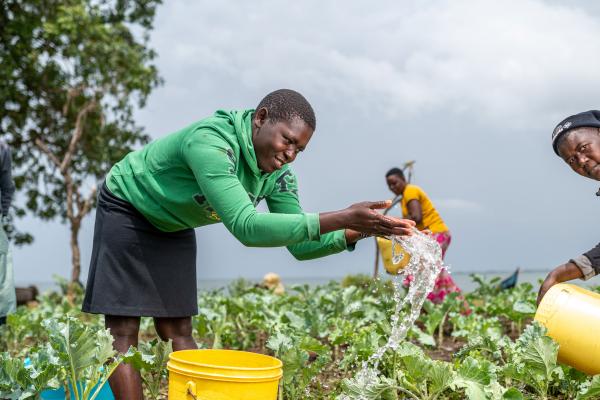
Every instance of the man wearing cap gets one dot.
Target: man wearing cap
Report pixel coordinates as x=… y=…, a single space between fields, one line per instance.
x=577 y=141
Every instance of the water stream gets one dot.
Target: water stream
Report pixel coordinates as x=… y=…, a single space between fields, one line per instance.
x=424 y=265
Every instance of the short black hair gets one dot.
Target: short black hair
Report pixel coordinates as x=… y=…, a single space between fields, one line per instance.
x=287 y=104
x=395 y=171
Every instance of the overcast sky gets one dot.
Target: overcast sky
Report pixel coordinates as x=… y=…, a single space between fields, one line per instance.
x=471 y=90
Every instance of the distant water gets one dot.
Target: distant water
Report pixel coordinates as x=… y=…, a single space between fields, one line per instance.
x=462 y=279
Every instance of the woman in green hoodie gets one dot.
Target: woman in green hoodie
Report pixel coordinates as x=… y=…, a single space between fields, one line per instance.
x=215 y=170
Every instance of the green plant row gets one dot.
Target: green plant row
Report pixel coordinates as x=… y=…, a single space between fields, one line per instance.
x=479 y=346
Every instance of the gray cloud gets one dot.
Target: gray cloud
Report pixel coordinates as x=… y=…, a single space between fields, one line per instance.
x=470 y=89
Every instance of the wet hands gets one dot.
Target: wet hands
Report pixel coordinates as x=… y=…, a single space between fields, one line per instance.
x=364 y=218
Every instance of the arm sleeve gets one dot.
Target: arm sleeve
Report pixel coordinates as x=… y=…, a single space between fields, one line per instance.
x=284 y=199
x=7 y=186
x=411 y=193
x=214 y=170
x=585 y=265
x=594 y=257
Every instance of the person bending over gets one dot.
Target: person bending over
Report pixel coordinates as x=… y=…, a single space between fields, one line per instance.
x=215 y=170
x=417 y=207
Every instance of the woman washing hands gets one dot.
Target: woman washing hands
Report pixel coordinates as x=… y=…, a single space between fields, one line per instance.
x=214 y=171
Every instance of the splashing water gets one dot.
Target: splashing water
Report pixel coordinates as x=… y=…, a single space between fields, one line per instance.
x=424 y=265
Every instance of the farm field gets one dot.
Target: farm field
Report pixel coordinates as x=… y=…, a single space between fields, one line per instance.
x=484 y=346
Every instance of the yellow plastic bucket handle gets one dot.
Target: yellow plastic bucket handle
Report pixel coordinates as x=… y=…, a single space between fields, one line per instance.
x=191 y=390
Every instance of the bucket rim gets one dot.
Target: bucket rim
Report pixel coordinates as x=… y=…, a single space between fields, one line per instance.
x=279 y=363
x=224 y=378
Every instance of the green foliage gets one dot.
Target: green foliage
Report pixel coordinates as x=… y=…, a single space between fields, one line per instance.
x=84 y=352
x=21 y=381
x=151 y=361
x=360 y=280
x=73 y=73
x=475 y=376
x=434 y=316
x=592 y=391
x=60 y=56
x=295 y=352
x=322 y=334
x=533 y=360
x=383 y=389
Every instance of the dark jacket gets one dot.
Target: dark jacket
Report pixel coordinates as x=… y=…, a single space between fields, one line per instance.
x=7 y=186
x=594 y=257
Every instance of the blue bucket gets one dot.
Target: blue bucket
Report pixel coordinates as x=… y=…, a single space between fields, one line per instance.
x=59 y=394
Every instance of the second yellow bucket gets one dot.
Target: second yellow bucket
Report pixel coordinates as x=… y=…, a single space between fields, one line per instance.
x=385 y=248
x=223 y=375
x=572 y=316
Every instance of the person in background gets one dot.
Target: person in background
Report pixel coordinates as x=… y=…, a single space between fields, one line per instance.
x=577 y=141
x=417 y=206
x=272 y=281
x=216 y=170
x=7 y=189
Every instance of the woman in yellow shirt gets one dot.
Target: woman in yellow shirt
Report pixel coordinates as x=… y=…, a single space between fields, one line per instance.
x=417 y=206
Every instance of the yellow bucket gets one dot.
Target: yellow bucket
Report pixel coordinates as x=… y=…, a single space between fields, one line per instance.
x=572 y=316
x=223 y=375
x=385 y=248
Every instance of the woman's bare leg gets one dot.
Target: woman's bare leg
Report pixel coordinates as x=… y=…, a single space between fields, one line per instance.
x=177 y=329
x=125 y=382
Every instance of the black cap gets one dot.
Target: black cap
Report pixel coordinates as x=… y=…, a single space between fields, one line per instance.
x=585 y=119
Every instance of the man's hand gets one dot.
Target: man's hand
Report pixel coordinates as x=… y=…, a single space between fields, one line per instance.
x=546 y=285
x=562 y=273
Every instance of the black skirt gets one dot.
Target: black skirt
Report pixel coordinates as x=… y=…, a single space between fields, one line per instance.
x=137 y=269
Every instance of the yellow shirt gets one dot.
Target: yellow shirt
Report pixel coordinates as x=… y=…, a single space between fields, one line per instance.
x=431 y=219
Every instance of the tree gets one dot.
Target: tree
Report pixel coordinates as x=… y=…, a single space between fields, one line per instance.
x=73 y=72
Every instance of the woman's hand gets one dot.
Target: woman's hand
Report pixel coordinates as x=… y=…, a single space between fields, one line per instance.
x=363 y=218
x=565 y=272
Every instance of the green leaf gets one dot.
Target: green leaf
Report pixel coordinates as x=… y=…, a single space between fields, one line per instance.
x=512 y=394
x=422 y=337
x=279 y=342
x=541 y=356
x=381 y=389
x=295 y=320
x=82 y=351
x=474 y=375
x=592 y=391
x=18 y=381
x=524 y=307
x=138 y=360
x=150 y=360
x=440 y=375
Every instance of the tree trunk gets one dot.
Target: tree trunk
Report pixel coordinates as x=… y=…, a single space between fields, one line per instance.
x=75 y=253
x=76 y=207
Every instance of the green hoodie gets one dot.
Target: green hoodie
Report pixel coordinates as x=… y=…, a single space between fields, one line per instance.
x=208 y=173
